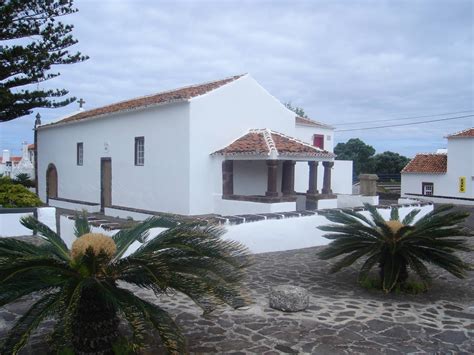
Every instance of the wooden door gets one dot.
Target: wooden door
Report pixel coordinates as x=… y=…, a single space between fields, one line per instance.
x=105 y=183
x=51 y=182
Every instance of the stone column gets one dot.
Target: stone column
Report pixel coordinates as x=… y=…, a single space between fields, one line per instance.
x=288 y=178
x=227 y=177
x=313 y=178
x=327 y=177
x=272 y=173
x=368 y=184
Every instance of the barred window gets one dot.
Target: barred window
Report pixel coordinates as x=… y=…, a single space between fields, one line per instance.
x=80 y=153
x=139 y=150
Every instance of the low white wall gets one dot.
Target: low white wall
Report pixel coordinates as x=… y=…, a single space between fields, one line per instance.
x=350 y=201
x=294 y=233
x=10 y=225
x=327 y=203
x=136 y=216
x=262 y=236
x=73 y=206
x=450 y=201
x=233 y=207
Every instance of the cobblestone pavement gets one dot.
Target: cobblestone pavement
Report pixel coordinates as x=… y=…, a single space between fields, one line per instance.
x=342 y=318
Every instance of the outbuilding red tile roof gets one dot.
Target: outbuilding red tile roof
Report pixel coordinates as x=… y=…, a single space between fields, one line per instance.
x=463 y=134
x=181 y=94
x=309 y=122
x=265 y=142
x=31 y=146
x=12 y=159
x=427 y=163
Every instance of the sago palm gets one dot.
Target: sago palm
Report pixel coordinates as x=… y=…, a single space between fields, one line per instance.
x=397 y=246
x=84 y=289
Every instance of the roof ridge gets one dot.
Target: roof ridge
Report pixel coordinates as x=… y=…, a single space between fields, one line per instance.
x=234 y=77
x=299 y=141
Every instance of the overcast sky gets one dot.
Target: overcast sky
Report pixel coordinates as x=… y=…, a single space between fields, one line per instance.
x=342 y=61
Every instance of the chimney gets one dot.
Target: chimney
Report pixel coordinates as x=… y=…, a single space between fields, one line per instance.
x=5 y=156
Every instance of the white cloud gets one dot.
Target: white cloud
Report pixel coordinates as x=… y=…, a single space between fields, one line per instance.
x=339 y=60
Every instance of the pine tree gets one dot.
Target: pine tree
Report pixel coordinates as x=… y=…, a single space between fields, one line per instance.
x=32 y=42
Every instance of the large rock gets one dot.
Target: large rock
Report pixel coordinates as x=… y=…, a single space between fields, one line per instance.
x=289 y=298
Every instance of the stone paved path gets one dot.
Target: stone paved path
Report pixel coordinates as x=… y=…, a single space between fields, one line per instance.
x=343 y=318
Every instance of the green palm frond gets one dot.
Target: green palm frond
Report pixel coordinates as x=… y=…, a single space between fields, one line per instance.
x=155 y=316
x=19 y=334
x=410 y=217
x=124 y=238
x=81 y=224
x=83 y=292
x=60 y=248
x=433 y=239
x=14 y=248
x=394 y=215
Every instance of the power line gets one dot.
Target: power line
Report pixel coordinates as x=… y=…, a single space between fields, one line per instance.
x=405 y=124
x=400 y=119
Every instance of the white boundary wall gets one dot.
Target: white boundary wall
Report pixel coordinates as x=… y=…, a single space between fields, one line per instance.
x=10 y=225
x=294 y=233
x=267 y=235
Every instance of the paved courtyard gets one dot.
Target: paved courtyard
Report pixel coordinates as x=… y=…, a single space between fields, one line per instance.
x=342 y=318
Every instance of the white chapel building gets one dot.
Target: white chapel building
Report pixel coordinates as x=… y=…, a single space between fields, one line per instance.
x=445 y=176
x=224 y=147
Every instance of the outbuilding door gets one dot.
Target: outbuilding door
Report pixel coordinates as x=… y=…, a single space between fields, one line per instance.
x=105 y=183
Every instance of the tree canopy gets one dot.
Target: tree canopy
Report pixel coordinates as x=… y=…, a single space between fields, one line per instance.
x=298 y=110
x=357 y=151
x=366 y=161
x=32 y=41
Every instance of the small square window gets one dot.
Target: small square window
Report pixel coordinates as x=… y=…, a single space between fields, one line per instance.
x=80 y=154
x=139 y=151
x=427 y=188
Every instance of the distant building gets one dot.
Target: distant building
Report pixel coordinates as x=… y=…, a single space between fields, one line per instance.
x=225 y=147
x=445 y=176
x=14 y=165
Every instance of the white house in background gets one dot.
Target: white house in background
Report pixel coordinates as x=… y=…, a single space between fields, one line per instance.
x=13 y=165
x=224 y=147
x=445 y=176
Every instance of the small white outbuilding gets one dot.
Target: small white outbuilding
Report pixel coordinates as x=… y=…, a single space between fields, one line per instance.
x=445 y=176
x=224 y=147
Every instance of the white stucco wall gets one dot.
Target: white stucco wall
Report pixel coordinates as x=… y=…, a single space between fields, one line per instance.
x=10 y=225
x=162 y=184
x=293 y=233
x=306 y=133
x=460 y=164
x=217 y=119
x=341 y=177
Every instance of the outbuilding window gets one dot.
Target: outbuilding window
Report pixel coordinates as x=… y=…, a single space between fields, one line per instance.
x=427 y=188
x=80 y=153
x=139 y=151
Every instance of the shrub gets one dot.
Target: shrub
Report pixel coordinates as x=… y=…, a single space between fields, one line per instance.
x=24 y=179
x=398 y=246
x=14 y=195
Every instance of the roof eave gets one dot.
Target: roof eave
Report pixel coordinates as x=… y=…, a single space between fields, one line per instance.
x=87 y=119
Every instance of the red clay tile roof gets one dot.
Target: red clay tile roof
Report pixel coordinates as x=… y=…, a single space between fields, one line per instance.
x=31 y=146
x=264 y=142
x=12 y=159
x=429 y=163
x=176 y=95
x=309 y=122
x=463 y=134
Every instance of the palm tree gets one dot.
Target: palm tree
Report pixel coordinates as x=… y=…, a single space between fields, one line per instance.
x=84 y=288
x=397 y=246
